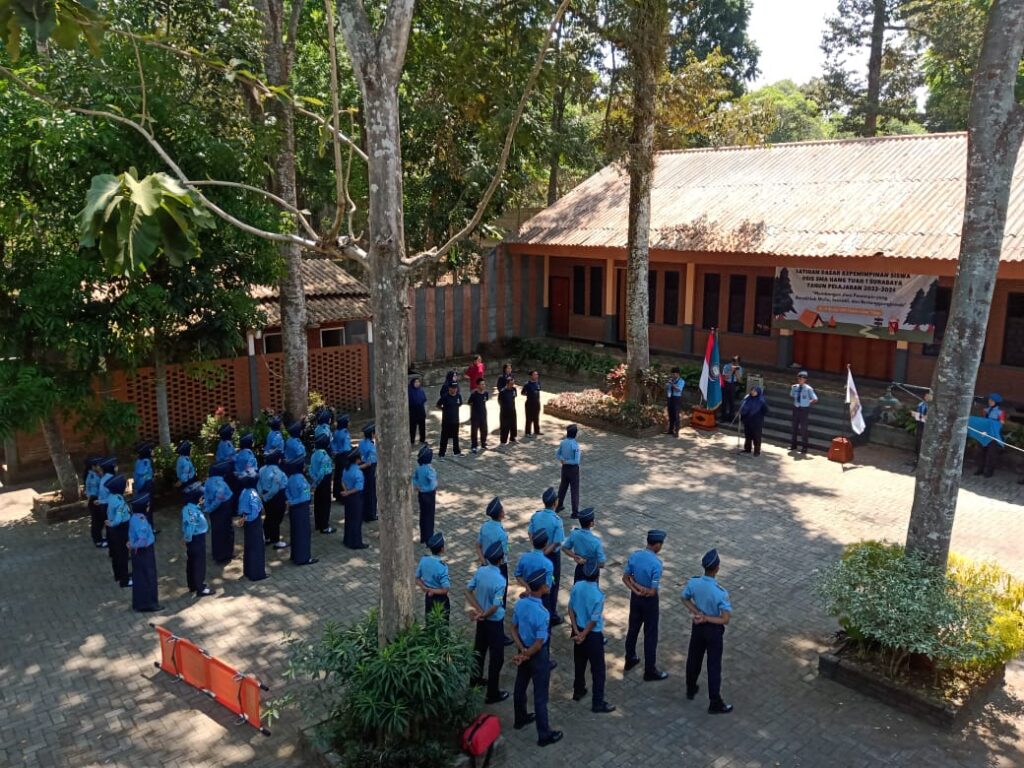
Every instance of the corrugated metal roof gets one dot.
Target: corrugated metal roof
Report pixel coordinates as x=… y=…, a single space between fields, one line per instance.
x=322 y=309
x=331 y=294
x=899 y=196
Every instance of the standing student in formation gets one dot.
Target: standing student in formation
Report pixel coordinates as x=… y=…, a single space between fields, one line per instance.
x=275 y=440
x=531 y=631
x=341 y=445
x=368 y=463
x=297 y=496
x=582 y=543
x=531 y=391
x=250 y=511
x=352 y=496
x=586 y=619
x=484 y=592
x=97 y=514
x=142 y=478
x=118 y=515
x=507 y=420
x=424 y=480
x=193 y=531
x=478 y=416
x=547 y=520
x=432 y=577
x=321 y=469
x=568 y=455
x=141 y=544
x=643 y=578
x=220 y=495
x=270 y=486
x=184 y=469
x=226 y=447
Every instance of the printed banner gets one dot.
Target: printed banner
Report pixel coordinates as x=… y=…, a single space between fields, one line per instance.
x=873 y=305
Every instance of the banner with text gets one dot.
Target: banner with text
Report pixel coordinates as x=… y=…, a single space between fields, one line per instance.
x=872 y=305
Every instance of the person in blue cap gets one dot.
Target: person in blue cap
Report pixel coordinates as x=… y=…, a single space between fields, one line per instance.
x=275 y=440
x=97 y=513
x=582 y=544
x=492 y=531
x=989 y=453
x=293 y=446
x=141 y=540
x=531 y=631
x=184 y=469
x=297 y=496
x=368 y=463
x=341 y=445
x=674 y=394
x=710 y=608
x=643 y=578
x=417 y=411
x=531 y=391
x=484 y=592
x=108 y=468
x=323 y=423
x=193 y=530
x=270 y=486
x=432 y=577
x=424 y=480
x=534 y=561
x=478 y=416
x=249 y=511
x=803 y=397
x=586 y=619
x=118 y=515
x=450 y=402
x=568 y=454
x=352 y=496
x=507 y=421
x=547 y=520
x=226 y=446
x=220 y=494
x=245 y=459
x=142 y=477
x=321 y=469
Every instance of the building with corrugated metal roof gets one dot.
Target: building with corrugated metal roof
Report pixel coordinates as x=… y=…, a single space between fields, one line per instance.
x=817 y=254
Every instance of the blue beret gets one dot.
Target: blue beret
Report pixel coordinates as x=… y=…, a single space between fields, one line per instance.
x=710 y=559
x=343 y=421
x=322 y=441
x=295 y=428
x=247 y=479
x=222 y=468
x=92 y=461
x=272 y=457
x=117 y=484
x=109 y=464
x=540 y=539
x=184 y=448
x=572 y=430
x=226 y=431
x=494 y=508
x=354 y=454
x=537 y=579
x=425 y=455
x=996 y=398
x=655 y=536
x=586 y=515
x=591 y=570
x=144 y=450
x=246 y=440
x=274 y=422
x=293 y=467
x=324 y=417
x=549 y=497
x=494 y=552
x=193 y=492
x=369 y=428
x=140 y=502
x=436 y=542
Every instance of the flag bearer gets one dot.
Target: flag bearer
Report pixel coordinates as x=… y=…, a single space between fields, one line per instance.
x=141 y=544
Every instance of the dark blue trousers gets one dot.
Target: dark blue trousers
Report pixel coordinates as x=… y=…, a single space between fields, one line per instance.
x=353 y=536
x=97 y=518
x=643 y=614
x=428 y=504
x=442 y=600
x=490 y=642
x=570 y=481
x=590 y=651
x=536 y=670
x=322 y=504
x=301 y=533
x=706 y=638
x=273 y=509
x=254 y=558
x=675 y=405
x=117 y=536
x=552 y=596
x=144 y=587
x=195 y=563
x=222 y=533
x=369 y=493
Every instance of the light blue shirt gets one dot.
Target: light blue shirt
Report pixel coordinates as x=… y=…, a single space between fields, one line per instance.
x=534 y=561
x=216 y=491
x=92 y=484
x=297 y=490
x=802 y=395
x=532 y=620
x=294 y=449
x=322 y=429
x=341 y=441
x=645 y=568
x=547 y=520
x=732 y=373
x=424 y=477
x=143 y=474
x=249 y=504
x=225 y=451
x=488 y=586
x=320 y=466
x=140 y=532
x=707 y=595
x=245 y=460
x=352 y=478
x=490 y=532
x=102 y=494
x=274 y=441
x=271 y=482
x=568 y=451
x=584 y=544
x=587 y=603
x=367 y=451
x=185 y=470
x=193 y=522
x=118 y=510
x=433 y=571
x=675 y=388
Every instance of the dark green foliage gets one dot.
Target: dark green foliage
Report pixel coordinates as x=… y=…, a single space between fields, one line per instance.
x=700 y=27
x=572 y=359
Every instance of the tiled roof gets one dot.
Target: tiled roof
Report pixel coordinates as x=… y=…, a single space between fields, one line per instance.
x=331 y=294
x=899 y=196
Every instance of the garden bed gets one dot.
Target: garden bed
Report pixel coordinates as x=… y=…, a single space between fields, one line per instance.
x=52 y=508
x=914 y=697
x=594 y=408
x=317 y=752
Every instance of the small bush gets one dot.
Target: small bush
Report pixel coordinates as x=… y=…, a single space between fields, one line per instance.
x=208 y=438
x=573 y=359
x=595 y=403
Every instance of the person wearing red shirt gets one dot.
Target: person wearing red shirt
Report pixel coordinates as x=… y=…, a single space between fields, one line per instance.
x=475 y=370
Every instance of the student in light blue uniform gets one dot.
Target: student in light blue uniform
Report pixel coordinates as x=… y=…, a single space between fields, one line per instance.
x=534 y=561
x=320 y=470
x=341 y=445
x=484 y=592
x=586 y=618
x=142 y=477
x=582 y=544
x=568 y=453
x=141 y=543
x=270 y=486
x=710 y=608
x=226 y=447
x=547 y=520
x=193 y=531
x=245 y=459
x=118 y=514
x=424 y=480
x=803 y=398
x=432 y=577
x=220 y=498
x=275 y=439
x=642 y=576
x=323 y=424
x=674 y=395
x=493 y=531
x=531 y=632
x=97 y=513
x=249 y=511
x=732 y=379
x=297 y=495
x=184 y=469
x=352 y=496
x=293 y=447
x=368 y=463
x=990 y=451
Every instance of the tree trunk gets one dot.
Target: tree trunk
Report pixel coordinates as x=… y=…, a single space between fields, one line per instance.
x=278 y=56
x=995 y=131
x=873 y=98
x=163 y=416
x=557 y=115
x=649 y=21
x=67 y=478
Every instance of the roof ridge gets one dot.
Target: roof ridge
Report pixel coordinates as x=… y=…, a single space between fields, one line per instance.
x=817 y=142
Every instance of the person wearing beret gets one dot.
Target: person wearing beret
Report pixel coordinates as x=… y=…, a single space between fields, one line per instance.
x=118 y=515
x=248 y=514
x=321 y=470
x=803 y=398
x=990 y=452
x=586 y=620
x=710 y=608
x=270 y=486
x=492 y=531
x=193 y=530
x=352 y=496
x=531 y=631
x=226 y=446
x=417 y=411
x=294 y=449
x=221 y=494
x=547 y=520
x=424 y=480
x=508 y=428
x=341 y=445
x=643 y=577
x=275 y=440
x=142 y=478
x=568 y=454
x=94 y=472
x=141 y=545
x=323 y=423
x=534 y=561
x=368 y=463
x=582 y=544
x=184 y=469
x=297 y=496
x=245 y=459
x=484 y=592
x=432 y=577
x=450 y=402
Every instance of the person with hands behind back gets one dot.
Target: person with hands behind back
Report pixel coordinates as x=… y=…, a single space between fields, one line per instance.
x=710 y=608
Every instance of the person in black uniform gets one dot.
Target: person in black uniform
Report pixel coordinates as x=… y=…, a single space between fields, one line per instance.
x=478 y=416
x=417 y=411
x=507 y=412
x=504 y=376
x=450 y=403
x=531 y=391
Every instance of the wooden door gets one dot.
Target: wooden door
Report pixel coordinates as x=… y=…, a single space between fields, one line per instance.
x=558 y=306
x=870 y=358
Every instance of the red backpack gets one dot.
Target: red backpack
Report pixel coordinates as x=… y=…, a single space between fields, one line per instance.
x=478 y=739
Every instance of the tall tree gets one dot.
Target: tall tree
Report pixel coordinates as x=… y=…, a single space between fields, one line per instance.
x=995 y=133
x=701 y=27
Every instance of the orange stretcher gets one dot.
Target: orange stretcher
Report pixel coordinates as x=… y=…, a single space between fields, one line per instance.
x=227 y=686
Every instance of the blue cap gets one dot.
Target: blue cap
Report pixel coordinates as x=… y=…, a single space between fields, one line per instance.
x=140 y=503
x=586 y=515
x=655 y=536
x=109 y=464
x=322 y=440
x=117 y=484
x=272 y=457
x=324 y=416
x=92 y=461
x=274 y=422
x=549 y=497
x=295 y=429
x=247 y=479
x=540 y=539
x=226 y=431
x=572 y=430
x=494 y=508
x=343 y=421
x=494 y=552
x=436 y=542
x=591 y=570
x=293 y=467
x=710 y=559
x=354 y=454
x=996 y=398
x=222 y=468
x=246 y=440
x=425 y=455
x=369 y=428
x=537 y=579
x=192 y=492
x=184 y=448
x=144 y=450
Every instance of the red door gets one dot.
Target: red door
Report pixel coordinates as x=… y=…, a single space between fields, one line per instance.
x=558 y=306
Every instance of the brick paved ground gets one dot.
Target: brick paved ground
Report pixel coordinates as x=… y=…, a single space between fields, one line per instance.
x=78 y=688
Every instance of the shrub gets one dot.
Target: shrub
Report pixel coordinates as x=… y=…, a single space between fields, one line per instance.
x=208 y=438
x=654 y=380
x=398 y=706
x=595 y=403
x=573 y=359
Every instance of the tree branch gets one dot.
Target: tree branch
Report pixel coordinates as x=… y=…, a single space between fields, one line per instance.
x=340 y=177
x=142 y=80
x=394 y=37
x=279 y=201
x=293 y=31
x=325 y=123
x=434 y=254
x=359 y=39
